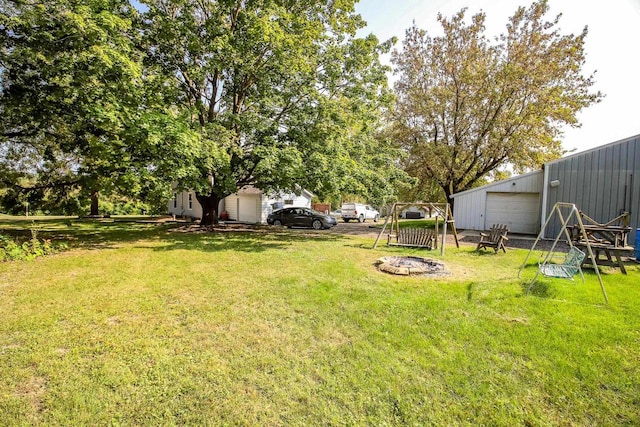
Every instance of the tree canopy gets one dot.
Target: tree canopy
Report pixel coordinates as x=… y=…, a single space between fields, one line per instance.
x=278 y=94
x=70 y=98
x=213 y=96
x=467 y=105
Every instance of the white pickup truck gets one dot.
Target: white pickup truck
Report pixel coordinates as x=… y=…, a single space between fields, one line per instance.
x=358 y=212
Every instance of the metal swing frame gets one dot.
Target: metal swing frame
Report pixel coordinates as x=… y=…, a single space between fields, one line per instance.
x=564 y=221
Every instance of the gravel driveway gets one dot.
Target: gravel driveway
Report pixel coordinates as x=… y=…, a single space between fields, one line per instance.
x=465 y=237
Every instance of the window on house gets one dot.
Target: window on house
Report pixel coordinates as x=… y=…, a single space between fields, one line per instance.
x=190 y=201
x=175 y=200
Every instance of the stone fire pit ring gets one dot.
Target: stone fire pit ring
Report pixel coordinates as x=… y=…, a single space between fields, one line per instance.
x=411 y=265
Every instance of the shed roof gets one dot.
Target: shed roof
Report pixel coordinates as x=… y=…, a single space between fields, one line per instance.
x=598 y=148
x=496 y=183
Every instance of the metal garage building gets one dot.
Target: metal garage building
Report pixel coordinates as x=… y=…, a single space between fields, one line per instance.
x=602 y=182
x=515 y=201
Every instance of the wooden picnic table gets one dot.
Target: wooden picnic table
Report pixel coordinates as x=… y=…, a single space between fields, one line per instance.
x=610 y=252
x=607 y=240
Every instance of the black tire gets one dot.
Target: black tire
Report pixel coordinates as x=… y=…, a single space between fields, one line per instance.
x=361 y=218
x=277 y=223
x=346 y=219
x=316 y=224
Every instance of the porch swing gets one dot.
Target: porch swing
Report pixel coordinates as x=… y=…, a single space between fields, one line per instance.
x=569 y=267
x=573 y=259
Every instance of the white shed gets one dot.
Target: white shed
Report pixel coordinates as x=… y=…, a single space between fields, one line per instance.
x=249 y=204
x=515 y=202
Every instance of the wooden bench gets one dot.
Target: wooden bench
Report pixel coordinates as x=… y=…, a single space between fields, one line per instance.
x=494 y=239
x=413 y=237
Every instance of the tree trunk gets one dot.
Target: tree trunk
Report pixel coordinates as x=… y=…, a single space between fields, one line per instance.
x=447 y=193
x=209 y=205
x=94 y=203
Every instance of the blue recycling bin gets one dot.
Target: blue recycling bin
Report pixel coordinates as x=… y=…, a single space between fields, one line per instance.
x=637 y=244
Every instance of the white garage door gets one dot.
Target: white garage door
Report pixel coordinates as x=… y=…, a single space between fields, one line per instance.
x=248 y=208
x=520 y=211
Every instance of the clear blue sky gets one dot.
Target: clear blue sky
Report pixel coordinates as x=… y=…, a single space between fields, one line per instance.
x=612 y=46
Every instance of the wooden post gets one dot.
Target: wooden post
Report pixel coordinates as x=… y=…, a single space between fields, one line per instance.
x=384 y=226
x=437 y=231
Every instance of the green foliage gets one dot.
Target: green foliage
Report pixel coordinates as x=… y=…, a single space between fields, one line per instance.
x=467 y=106
x=124 y=206
x=72 y=101
x=210 y=95
x=121 y=331
x=425 y=190
x=13 y=250
x=275 y=94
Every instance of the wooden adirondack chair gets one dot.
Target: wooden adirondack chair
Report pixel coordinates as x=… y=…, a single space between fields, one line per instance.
x=495 y=239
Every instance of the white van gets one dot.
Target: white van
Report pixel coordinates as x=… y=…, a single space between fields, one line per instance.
x=359 y=212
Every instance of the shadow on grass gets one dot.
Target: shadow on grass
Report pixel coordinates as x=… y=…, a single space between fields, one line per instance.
x=107 y=233
x=539 y=289
x=257 y=240
x=81 y=233
x=486 y=251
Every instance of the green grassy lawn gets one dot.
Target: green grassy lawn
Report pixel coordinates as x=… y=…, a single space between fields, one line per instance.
x=411 y=223
x=139 y=325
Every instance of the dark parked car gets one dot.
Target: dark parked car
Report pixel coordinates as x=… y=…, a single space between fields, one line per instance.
x=301 y=217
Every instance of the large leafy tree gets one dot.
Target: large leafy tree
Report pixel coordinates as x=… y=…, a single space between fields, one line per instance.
x=275 y=93
x=467 y=105
x=70 y=99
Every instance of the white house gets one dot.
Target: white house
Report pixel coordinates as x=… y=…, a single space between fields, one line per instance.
x=249 y=204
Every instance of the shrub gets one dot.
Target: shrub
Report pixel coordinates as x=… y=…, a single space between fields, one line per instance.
x=13 y=250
